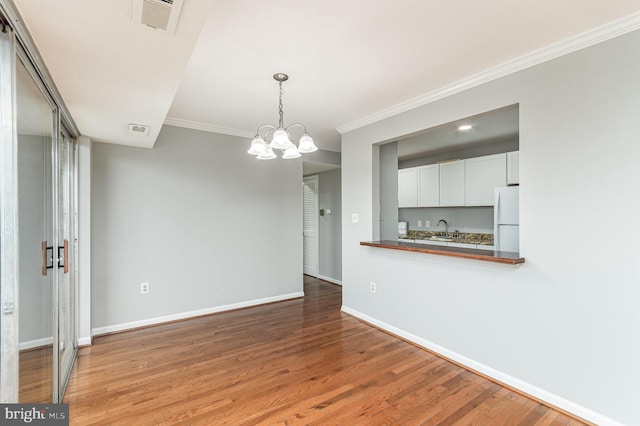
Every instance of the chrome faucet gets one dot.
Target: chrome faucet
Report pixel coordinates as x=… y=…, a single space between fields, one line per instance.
x=446 y=226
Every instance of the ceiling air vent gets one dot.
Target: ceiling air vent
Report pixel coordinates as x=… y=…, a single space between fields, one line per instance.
x=139 y=129
x=160 y=14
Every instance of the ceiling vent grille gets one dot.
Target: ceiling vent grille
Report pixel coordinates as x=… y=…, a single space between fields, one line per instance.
x=160 y=14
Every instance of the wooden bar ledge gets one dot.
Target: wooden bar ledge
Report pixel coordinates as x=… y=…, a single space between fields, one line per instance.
x=467 y=253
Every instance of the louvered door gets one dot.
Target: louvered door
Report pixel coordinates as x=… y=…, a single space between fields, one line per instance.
x=310 y=231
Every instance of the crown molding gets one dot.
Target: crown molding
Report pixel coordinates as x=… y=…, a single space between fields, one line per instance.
x=205 y=127
x=580 y=41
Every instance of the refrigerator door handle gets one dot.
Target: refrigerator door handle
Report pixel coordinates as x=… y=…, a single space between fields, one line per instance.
x=496 y=207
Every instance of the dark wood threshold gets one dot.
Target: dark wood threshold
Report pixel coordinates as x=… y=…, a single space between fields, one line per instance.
x=506 y=257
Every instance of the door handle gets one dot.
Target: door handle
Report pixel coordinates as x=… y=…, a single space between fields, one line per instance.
x=46 y=258
x=63 y=262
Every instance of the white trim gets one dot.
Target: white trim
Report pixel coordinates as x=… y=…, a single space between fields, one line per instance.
x=572 y=44
x=36 y=343
x=205 y=127
x=85 y=341
x=331 y=280
x=501 y=377
x=167 y=318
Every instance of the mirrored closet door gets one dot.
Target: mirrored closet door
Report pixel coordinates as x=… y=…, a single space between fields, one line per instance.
x=46 y=200
x=38 y=223
x=35 y=126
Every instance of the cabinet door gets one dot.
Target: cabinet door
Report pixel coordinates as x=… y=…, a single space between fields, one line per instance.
x=482 y=175
x=513 y=167
x=408 y=187
x=452 y=183
x=429 y=186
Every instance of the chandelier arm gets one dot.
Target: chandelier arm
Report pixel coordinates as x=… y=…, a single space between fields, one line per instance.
x=296 y=124
x=269 y=126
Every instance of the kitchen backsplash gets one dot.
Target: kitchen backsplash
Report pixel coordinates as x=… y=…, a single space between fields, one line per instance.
x=464 y=219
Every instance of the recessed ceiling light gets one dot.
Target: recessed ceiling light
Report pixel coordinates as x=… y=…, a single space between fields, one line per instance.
x=465 y=127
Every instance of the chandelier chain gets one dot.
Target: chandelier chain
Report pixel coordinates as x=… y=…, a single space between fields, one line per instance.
x=280 y=107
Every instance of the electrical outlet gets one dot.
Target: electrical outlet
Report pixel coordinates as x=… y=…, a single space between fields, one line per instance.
x=419 y=223
x=354 y=218
x=372 y=288
x=144 y=288
x=427 y=223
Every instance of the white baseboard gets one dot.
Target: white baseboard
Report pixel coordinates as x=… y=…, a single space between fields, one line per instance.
x=85 y=341
x=167 y=318
x=497 y=375
x=36 y=343
x=331 y=280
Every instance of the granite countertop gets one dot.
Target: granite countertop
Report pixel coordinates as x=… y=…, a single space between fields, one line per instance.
x=463 y=237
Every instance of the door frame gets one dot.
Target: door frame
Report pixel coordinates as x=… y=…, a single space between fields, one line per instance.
x=9 y=247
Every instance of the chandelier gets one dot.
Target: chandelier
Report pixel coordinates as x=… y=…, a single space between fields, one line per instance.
x=262 y=146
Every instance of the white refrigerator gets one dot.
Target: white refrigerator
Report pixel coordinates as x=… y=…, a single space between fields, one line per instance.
x=506 y=219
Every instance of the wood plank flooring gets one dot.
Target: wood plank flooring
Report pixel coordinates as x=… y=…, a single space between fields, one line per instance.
x=294 y=362
x=36 y=369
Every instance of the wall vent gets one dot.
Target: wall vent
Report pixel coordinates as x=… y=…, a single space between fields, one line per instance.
x=160 y=14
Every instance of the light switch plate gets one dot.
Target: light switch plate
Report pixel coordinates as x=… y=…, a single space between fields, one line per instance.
x=427 y=223
x=354 y=218
x=419 y=223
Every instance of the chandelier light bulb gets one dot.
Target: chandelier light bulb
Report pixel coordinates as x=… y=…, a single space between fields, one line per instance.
x=268 y=154
x=291 y=152
x=280 y=139
x=306 y=145
x=258 y=146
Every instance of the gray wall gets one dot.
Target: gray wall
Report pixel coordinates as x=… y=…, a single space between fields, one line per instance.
x=463 y=219
x=388 y=155
x=323 y=157
x=564 y=325
x=206 y=224
x=330 y=227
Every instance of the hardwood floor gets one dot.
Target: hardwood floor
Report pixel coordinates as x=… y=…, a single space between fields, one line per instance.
x=295 y=362
x=36 y=369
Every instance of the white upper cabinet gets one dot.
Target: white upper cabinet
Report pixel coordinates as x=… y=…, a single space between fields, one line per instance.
x=452 y=183
x=513 y=167
x=429 y=186
x=482 y=175
x=408 y=187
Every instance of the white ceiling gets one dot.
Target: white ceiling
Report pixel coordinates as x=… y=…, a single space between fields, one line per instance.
x=347 y=60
